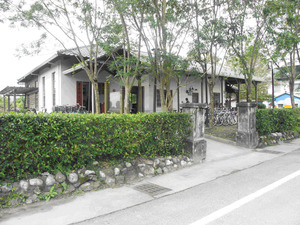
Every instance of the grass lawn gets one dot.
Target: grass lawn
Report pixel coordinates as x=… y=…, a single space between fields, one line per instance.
x=225 y=132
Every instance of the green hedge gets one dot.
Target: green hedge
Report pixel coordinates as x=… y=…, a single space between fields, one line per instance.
x=33 y=143
x=277 y=120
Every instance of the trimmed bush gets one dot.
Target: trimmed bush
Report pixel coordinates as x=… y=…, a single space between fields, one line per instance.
x=35 y=143
x=277 y=120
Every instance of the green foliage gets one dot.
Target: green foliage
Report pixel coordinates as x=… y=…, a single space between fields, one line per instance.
x=6 y=200
x=35 y=143
x=261 y=106
x=47 y=196
x=277 y=120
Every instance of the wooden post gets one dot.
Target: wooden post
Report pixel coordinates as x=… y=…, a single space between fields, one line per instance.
x=206 y=90
x=256 y=94
x=140 y=96
x=106 y=96
x=222 y=91
x=178 y=96
x=8 y=103
x=4 y=100
x=201 y=89
x=15 y=101
x=239 y=92
x=25 y=99
x=122 y=90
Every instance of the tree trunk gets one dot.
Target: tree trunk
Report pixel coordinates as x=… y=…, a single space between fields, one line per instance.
x=164 y=107
x=291 y=86
x=248 y=88
x=212 y=108
x=97 y=99
x=169 y=101
x=128 y=87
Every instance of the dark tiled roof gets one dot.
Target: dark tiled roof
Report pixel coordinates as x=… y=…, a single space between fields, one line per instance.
x=18 y=90
x=84 y=51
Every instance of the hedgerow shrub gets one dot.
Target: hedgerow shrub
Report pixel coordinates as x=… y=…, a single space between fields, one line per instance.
x=277 y=120
x=33 y=143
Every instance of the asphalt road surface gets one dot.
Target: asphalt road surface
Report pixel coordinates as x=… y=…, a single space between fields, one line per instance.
x=268 y=194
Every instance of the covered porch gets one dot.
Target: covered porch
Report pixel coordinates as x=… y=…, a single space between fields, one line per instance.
x=14 y=92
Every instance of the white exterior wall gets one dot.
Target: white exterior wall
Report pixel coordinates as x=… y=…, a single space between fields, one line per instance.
x=66 y=88
x=47 y=74
x=190 y=83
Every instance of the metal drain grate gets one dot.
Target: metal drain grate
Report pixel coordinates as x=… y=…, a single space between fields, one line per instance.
x=269 y=151
x=151 y=189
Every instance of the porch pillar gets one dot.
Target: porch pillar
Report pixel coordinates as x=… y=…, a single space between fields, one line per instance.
x=247 y=136
x=222 y=91
x=202 y=90
x=196 y=144
x=140 y=96
x=256 y=95
x=4 y=104
x=206 y=91
x=229 y=100
x=8 y=103
x=93 y=99
x=122 y=93
x=106 y=96
x=239 y=92
x=15 y=101
x=25 y=99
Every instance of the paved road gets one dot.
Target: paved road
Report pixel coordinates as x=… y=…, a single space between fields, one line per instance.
x=263 y=194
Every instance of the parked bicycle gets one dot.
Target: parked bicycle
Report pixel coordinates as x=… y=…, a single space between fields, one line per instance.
x=70 y=109
x=225 y=118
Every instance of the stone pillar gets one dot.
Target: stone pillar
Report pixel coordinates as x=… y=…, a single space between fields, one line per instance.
x=247 y=136
x=196 y=144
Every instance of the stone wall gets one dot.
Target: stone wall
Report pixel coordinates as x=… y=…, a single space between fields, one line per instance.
x=277 y=138
x=48 y=186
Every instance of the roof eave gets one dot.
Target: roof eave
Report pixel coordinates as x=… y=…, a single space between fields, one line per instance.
x=34 y=72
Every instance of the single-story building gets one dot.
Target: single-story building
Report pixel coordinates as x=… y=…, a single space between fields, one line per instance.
x=284 y=101
x=57 y=82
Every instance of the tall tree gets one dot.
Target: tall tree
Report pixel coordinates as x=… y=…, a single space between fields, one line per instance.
x=209 y=42
x=166 y=31
x=261 y=69
x=127 y=30
x=246 y=32
x=283 y=43
x=79 y=22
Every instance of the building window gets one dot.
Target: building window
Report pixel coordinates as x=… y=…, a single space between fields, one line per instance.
x=296 y=105
x=158 y=102
x=44 y=92
x=195 y=98
x=280 y=106
x=53 y=89
x=36 y=84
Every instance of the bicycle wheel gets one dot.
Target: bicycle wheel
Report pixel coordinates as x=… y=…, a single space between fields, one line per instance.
x=225 y=120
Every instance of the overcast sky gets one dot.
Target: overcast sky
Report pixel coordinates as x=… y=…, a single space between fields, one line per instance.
x=13 y=68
